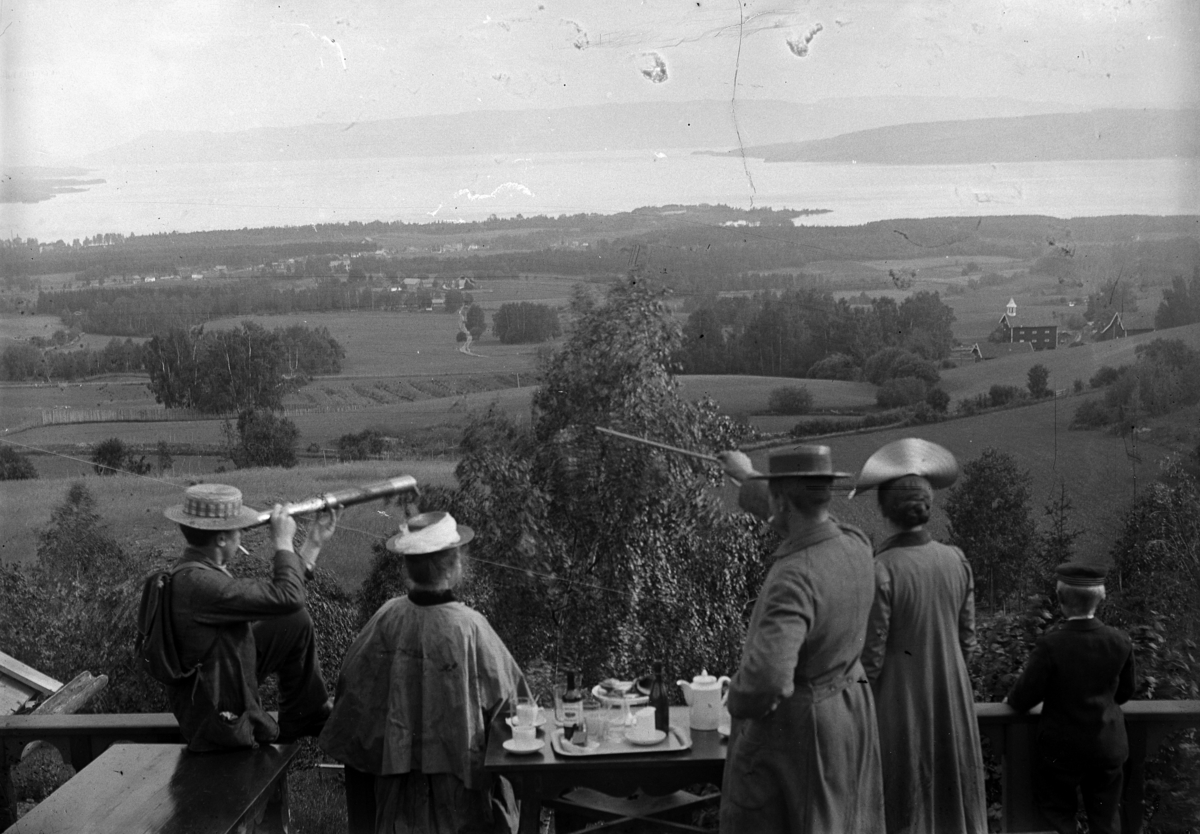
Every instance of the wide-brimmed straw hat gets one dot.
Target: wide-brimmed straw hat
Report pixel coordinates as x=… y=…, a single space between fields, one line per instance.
x=212 y=507
x=429 y=533
x=802 y=462
x=909 y=456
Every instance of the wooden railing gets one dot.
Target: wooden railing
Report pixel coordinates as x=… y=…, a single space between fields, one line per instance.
x=83 y=737
x=1012 y=737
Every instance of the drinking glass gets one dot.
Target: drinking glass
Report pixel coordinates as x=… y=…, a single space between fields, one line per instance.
x=559 y=690
x=595 y=718
x=524 y=725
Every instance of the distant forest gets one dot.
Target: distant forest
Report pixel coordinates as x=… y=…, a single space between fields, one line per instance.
x=689 y=245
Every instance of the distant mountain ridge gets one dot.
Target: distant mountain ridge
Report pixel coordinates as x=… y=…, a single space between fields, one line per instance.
x=1098 y=134
x=607 y=127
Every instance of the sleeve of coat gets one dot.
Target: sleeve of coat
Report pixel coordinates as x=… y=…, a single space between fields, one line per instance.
x=753 y=498
x=878 y=624
x=224 y=600
x=772 y=648
x=1030 y=688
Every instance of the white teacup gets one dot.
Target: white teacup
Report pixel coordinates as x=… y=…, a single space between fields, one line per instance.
x=524 y=733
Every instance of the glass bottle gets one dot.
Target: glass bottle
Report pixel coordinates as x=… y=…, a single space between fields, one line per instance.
x=658 y=700
x=572 y=708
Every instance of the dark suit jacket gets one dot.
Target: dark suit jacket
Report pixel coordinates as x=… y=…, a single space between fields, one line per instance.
x=213 y=618
x=1079 y=670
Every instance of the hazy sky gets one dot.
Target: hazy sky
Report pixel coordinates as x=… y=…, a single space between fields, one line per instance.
x=80 y=75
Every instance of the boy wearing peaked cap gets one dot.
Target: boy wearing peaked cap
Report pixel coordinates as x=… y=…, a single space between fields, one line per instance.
x=1080 y=671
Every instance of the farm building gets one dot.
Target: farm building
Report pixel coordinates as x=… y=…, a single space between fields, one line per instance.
x=1039 y=330
x=996 y=350
x=1126 y=324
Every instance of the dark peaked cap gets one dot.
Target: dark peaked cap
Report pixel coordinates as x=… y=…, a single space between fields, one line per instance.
x=908 y=456
x=1081 y=576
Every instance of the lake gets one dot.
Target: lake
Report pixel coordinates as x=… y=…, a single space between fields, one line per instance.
x=160 y=198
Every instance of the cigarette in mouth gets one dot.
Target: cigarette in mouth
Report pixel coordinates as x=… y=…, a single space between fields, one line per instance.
x=244 y=550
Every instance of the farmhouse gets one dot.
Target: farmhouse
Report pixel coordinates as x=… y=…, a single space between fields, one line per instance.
x=1041 y=331
x=1122 y=325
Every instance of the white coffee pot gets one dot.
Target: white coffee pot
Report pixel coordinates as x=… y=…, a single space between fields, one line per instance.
x=705 y=695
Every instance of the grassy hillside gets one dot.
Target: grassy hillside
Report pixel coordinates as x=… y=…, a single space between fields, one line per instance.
x=1065 y=365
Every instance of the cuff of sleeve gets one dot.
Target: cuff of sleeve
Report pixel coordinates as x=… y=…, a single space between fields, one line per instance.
x=290 y=556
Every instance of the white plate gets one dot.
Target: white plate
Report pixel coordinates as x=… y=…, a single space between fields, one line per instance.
x=658 y=736
x=523 y=747
x=537 y=722
x=631 y=698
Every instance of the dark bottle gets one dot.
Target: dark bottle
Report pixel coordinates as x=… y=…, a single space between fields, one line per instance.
x=572 y=701
x=658 y=700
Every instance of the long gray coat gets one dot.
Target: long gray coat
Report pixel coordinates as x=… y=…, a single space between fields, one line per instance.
x=810 y=764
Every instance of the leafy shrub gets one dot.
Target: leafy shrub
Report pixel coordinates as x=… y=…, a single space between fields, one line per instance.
x=261 y=438
x=460 y=336
x=112 y=457
x=891 y=363
x=795 y=399
x=365 y=444
x=1106 y=376
x=1078 y=386
x=901 y=391
x=1038 y=381
x=1090 y=415
x=1001 y=395
x=15 y=466
x=835 y=366
x=938 y=400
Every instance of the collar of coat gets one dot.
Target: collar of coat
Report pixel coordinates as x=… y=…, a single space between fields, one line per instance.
x=807 y=536
x=905 y=538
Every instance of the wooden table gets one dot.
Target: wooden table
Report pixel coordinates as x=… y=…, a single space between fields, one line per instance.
x=545 y=775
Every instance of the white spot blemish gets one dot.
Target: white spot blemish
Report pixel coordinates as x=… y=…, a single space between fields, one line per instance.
x=799 y=44
x=654 y=67
x=503 y=187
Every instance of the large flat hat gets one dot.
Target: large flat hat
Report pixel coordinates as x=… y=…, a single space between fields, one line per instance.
x=429 y=533
x=212 y=507
x=802 y=462
x=909 y=456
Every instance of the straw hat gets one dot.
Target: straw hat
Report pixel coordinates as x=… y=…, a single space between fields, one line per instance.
x=429 y=533
x=910 y=456
x=212 y=507
x=802 y=462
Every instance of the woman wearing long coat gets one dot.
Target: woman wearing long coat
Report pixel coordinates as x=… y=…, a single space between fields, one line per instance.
x=920 y=632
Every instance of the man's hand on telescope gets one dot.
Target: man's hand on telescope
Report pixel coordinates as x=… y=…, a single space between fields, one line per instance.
x=283 y=528
x=737 y=465
x=319 y=531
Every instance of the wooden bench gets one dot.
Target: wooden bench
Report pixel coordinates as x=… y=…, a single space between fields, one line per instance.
x=21 y=685
x=163 y=788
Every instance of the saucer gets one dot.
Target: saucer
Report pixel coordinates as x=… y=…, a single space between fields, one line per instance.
x=537 y=722
x=658 y=736
x=523 y=747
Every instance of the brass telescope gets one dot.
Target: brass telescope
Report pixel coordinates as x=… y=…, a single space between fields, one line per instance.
x=346 y=497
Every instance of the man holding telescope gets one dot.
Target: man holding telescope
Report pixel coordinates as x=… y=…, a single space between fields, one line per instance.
x=235 y=631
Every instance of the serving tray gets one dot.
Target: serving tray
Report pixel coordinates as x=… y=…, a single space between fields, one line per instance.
x=677 y=740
